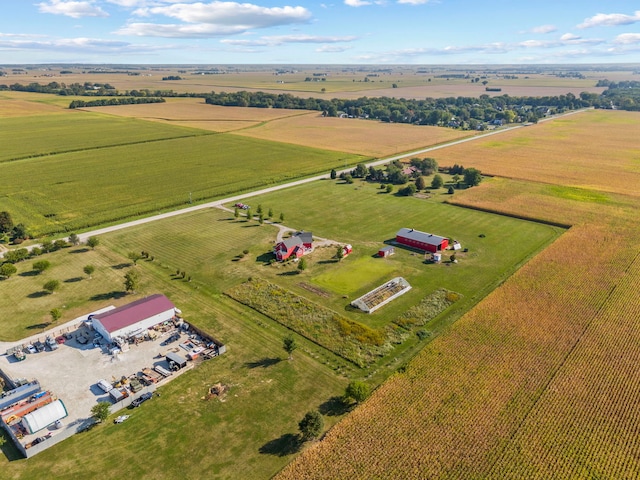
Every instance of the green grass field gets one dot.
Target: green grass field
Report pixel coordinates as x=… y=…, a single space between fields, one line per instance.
x=38 y=135
x=60 y=195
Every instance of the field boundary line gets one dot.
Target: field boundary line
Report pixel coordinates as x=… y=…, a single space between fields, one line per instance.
x=102 y=147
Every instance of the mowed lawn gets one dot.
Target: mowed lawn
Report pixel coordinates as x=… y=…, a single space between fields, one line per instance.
x=25 y=304
x=76 y=190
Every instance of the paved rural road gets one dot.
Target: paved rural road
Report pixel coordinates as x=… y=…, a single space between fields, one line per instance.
x=218 y=203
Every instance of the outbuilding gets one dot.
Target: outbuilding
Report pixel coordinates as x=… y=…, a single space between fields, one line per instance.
x=421 y=240
x=44 y=416
x=386 y=251
x=176 y=361
x=134 y=318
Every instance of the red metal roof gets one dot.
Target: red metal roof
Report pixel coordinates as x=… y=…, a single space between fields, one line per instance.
x=134 y=312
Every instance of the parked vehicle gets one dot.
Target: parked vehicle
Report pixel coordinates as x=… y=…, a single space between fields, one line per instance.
x=51 y=343
x=104 y=385
x=141 y=399
x=39 y=346
x=31 y=349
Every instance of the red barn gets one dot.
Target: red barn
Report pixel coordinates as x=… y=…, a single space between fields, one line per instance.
x=421 y=240
x=297 y=245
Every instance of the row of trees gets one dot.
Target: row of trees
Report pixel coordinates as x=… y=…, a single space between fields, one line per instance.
x=103 y=102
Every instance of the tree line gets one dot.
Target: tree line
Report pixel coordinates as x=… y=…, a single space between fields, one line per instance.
x=464 y=112
x=101 y=102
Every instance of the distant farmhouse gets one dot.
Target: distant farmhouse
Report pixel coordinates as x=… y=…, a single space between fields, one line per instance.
x=427 y=242
x=299 y=244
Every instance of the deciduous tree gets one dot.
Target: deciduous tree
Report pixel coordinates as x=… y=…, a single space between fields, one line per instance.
x=7 y=269
x=132 y=281
x=51 y=286
x=100 y=411
x=357 y=391
x=88 y=270
x=93 y=242
x=289 y=345
x=56 y=314
x=311 y=425
x=41 y=265
x=437 y=181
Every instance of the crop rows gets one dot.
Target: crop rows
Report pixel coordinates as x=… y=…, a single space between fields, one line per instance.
x=465 y=394
x=587 y=423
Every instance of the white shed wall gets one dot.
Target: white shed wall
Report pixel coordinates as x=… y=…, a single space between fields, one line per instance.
x=143 y=325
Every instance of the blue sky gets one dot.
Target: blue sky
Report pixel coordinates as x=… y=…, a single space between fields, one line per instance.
x=301 y=32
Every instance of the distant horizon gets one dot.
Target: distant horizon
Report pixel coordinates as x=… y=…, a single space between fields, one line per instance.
x=355 y=65
x=348 y=32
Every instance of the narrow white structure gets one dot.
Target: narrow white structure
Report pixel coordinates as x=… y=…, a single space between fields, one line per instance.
x=382 y=295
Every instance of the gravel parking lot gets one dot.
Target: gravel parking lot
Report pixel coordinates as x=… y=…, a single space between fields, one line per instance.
x=72 y=371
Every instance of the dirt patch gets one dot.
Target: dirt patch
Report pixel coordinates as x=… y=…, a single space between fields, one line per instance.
x=313 y=289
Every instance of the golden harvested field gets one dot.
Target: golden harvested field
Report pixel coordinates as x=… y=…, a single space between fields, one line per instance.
x=17 y=107
x=596 y=150
x=540 y=379
x=367 y=137
x=193 y=112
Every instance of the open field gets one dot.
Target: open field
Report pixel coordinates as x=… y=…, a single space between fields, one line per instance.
x=534 y=382
x=365 y=137
x=538 y=380
x=58 y=195
x=193 y=112
x=344 y=81
x=59 y=132
x=563 y=152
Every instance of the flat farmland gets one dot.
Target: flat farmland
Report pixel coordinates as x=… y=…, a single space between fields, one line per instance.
x=360 y=215
x=72 y=131
x=536 y=381
x=194 y=112
x=59 y=194
x=462 y=398
x=562 y=152
x=365 y=137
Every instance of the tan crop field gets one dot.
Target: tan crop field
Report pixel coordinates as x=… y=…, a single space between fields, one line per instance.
x=195 y=113
x=352 y=135
x=596 y=150
x=538 y=380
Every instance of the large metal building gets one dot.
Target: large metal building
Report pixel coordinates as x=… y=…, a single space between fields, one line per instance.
x=134 y=318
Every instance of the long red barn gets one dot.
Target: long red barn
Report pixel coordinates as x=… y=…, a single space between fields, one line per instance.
x=421 y=240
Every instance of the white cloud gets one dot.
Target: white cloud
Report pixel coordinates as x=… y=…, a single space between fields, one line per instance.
x=356 y=3
x=413 y=2
x=627 y=39
x=232 y=13
x=332 y=49
x=203 y=20
x=544 y=29
x=569 y=36
x=200 y=30
x=72 y=9
x=282 y=39
x=610 y=20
